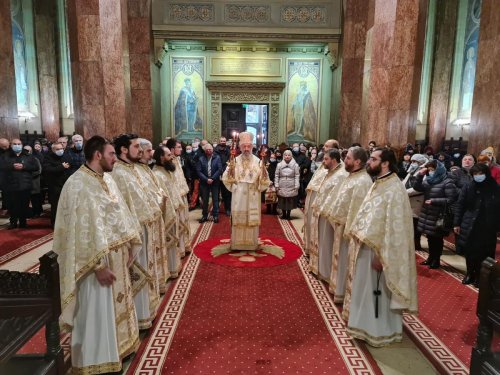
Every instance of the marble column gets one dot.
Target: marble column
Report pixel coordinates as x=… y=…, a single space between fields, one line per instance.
x=393 y=64
x=9 y=125
x=353 y=58
x=446 y=26
x=45 y=25
x=484 y=129
x=140 y=47
x=98 y=47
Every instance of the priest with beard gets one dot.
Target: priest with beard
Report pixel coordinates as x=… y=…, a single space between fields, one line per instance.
x=342 y=213
x=96 y=237
x=245 y=179
x=320 y=256
x=311 y=191
x=168 y=262
x=164 y=170
x=178 y=178
x=146 y=284
x=383 y=281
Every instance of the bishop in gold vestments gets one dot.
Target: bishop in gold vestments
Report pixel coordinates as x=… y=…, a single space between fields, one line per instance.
x=246 y=179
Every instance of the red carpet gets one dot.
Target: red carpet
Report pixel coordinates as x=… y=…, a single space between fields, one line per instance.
x=291 y=252
x=224 y=319
x=445 y=328
x=18 y=241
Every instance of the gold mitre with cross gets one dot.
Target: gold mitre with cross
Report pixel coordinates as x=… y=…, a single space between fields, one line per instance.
x=245 y=138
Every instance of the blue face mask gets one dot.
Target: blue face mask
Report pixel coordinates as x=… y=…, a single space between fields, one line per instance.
x=78 y=145
x=295 y=149
x=479 y=177
x=17 y=148
x=59 y=152
x=431 y=173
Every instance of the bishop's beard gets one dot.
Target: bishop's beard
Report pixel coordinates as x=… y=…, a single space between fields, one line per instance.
x=169 y=165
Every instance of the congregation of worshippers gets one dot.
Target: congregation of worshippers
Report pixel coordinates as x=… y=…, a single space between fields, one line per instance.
x=120 y=212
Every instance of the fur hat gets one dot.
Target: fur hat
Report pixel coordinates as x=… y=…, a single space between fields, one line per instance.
x=421 y=159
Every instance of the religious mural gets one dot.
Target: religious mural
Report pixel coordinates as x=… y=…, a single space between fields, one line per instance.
x=188 y=76
x=18 y=47
x=469 y=58
x=303 y=98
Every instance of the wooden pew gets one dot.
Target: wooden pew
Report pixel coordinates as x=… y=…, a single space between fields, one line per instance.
x=483 y=360
x=28 y=302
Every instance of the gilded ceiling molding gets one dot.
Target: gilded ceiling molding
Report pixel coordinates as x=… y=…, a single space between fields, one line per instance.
x=191 y=13
x=204 y=35
x=243 y=13
x=224 y=85
x=303 y=14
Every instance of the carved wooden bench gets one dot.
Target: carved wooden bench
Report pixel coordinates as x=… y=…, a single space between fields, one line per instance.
x=28 y=302
x=483 y=359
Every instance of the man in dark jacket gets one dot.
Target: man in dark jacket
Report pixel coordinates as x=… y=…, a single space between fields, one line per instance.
x=56 y=168
x=17 y=168
x=209 y=170
x=223 y=151
x=75 y=153
x=4 y=147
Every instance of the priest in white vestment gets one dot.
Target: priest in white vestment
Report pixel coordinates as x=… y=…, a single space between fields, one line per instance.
x=384 y=275
x=183 y=189
x=96 y=237
x=342 y=213
x=246 y=177
x=311 y=191
x=320 y=256
x=146 y=282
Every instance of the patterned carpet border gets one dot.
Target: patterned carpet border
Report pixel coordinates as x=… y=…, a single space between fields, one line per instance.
x=155 y=352
x=354 y=357
x=25 y=248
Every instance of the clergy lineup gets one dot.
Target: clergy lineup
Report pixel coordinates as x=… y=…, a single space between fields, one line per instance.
x=119 y=236
x=358 y=233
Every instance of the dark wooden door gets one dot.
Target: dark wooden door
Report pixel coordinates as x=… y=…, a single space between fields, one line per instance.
x=233 y=119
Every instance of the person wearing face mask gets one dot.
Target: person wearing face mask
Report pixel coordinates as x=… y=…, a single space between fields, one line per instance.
x=477 y=220
x=76 y=154
x=36 y=196
x=404 y=165
x=418 y=161
x=287 y=182
x=223 y=151
x=489 y=161
x=56 y=170
x=17 y=167
x=271 y=196
x=439 y=192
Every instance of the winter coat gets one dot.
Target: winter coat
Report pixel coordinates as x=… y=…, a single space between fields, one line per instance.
x=35 y=189
x=18 y=179
x=441 y=193
x=287 y=179
x=77 y=159
x=54 y=172
x=477 y=213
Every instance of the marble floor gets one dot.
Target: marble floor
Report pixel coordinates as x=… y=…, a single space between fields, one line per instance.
x=398 y=359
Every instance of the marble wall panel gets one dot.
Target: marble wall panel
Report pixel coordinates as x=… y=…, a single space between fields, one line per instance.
x=382 y=42
x=115 y=117
x=87 y=7
x=378 y=94
x=91 y=83
x=88 y=34
x=398 y=127
x=139 y=8
x=139 y=37
x=91 y=121
x=140 y=76
x=443 y=60
x=142 y=110
x=405 y=38
x=407 y=10
x=400 y=87
x=385 y=11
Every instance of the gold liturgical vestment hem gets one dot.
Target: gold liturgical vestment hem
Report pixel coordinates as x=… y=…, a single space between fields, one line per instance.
x=390 y=236
x=245 y=203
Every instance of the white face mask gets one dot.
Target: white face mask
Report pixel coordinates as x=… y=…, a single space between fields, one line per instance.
x=59 y=152
x=479 y=177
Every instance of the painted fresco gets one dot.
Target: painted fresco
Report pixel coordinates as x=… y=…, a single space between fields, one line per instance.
x=303 y=99
x=188 y=83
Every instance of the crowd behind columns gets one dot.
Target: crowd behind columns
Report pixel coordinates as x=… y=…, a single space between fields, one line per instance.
x=173 y=178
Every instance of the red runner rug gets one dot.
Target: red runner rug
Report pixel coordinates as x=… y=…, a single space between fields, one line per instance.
x=21 y=240
x=445 y=328
x=225 y=319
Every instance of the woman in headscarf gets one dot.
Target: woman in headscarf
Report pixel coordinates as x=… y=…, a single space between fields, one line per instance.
x=287 y=183
x=439 y=193
x=477 y=219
